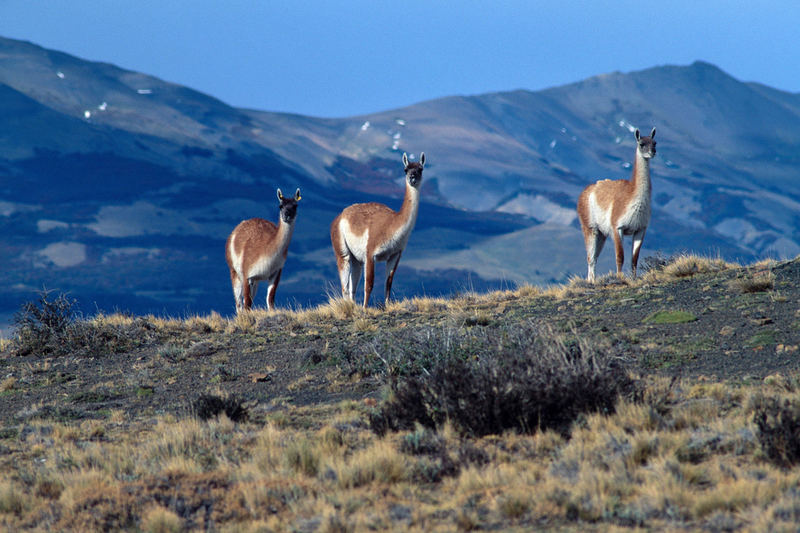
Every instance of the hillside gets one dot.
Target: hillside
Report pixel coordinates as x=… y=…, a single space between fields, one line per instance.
x=120 y=188
x=728 y=334
x=97 y=428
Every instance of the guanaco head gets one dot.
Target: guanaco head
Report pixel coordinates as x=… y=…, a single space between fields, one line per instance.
x=414 y=170
x=289 y=206
x=646 y=145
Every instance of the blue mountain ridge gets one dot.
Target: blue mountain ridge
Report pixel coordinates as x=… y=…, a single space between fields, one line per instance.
x=121 y=188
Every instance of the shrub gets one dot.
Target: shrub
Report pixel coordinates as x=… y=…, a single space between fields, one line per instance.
x=760 y=282
x=208 y=406
x=43 y=326
x=486 y=381
x=50 y=326
x=655 y=263
x=778 y=424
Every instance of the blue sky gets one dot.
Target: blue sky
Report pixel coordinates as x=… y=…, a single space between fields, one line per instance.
x=345 y=58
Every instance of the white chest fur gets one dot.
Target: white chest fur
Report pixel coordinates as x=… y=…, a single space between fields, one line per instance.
x=636 y=216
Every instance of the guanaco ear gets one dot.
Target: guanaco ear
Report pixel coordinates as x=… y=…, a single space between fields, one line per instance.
x=297 y=195
x=280 y=195
x=636 y=134
x=653 y=133
x=422 y=159
x=405 y=160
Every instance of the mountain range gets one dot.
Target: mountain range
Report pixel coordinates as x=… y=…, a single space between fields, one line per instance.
x=120 y=188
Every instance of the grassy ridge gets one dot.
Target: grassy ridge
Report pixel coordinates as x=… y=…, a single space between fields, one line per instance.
x=121 y=422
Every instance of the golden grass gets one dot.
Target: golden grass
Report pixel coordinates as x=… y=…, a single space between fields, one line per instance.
x=484 y=305
x=686 y=455
x=157 y=519
x=12 y=498
x=8 y=384
x=418 y=304
x=756 y=282
x=379 y=463
x=697 y=460
x=336 y=308
x=689 y=265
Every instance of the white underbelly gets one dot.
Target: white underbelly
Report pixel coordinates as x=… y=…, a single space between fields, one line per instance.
x=356 y=245
x=600 y=218
x=392 y=246
x=266 y=267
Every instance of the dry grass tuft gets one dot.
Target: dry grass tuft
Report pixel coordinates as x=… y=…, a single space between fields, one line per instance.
x=686 y=265
x=380 y=462
x=419 y=304
x=337 y=308
x=8 y=384
x=528 y=291
x=157 y=519
x=12 y=499
x=5 y=344
x=363 y=325
x=303 y=457
x=756 y=282
x=207 y=324
x=243 y=322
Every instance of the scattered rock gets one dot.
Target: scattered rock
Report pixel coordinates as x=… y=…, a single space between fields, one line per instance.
x=201 y=349
x=400 y=513
x=309 y=525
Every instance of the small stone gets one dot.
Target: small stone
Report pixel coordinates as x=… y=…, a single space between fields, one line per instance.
x=200 y=349
x=259 y=377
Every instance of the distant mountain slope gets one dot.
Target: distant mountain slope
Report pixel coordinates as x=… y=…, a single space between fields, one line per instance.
x=121 y=187
x=726 y=149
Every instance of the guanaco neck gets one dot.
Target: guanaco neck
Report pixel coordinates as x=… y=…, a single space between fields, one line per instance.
x=285 y=230
x=641 y=176
x=408 y=212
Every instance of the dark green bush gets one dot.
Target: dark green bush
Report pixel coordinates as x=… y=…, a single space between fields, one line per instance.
x=778 y=432
x=656 y=263
x=210 y=405
x=488 y=380
x=45 y=326
x=50 y=326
